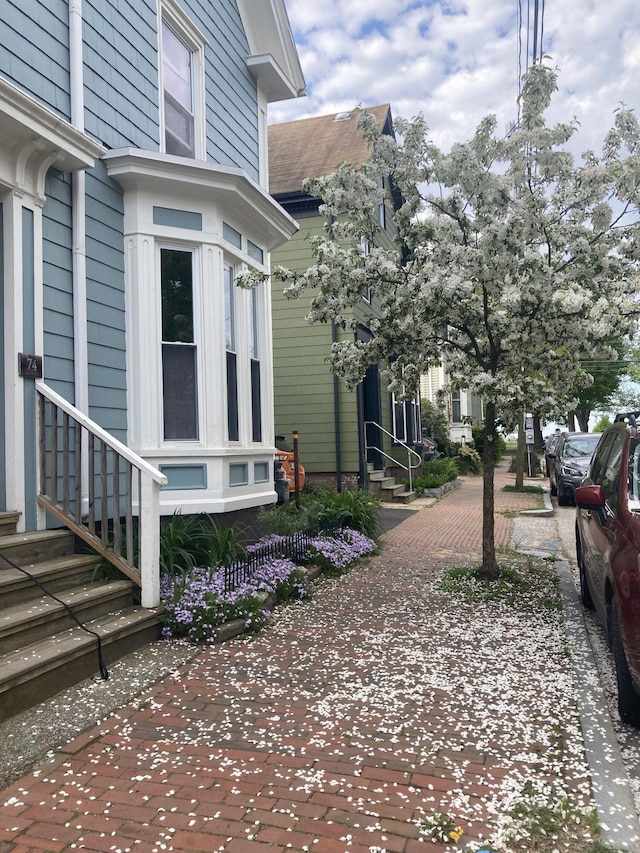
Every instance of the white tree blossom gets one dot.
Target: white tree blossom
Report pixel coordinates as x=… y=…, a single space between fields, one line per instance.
x=511 y=262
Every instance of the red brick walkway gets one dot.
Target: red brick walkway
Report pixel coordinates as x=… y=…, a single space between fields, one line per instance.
x=332 y=731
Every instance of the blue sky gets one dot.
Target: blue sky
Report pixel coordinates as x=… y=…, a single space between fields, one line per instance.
x=457 y=60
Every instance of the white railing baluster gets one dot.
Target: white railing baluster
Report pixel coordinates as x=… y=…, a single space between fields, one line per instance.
x=146 y=572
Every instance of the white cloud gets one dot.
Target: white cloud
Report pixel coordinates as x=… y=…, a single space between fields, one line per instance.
x=457 y=60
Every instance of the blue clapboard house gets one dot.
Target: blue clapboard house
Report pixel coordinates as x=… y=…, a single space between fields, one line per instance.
x=133 y=191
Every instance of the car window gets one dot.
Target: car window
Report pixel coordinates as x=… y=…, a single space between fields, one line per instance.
x=583 y=445
x=634 y=476
x=599 y=461
x=611 y=478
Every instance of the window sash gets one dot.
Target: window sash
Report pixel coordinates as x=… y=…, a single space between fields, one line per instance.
x=229 y=307
x=179 y=392
x=179 y=350
x=178 y=60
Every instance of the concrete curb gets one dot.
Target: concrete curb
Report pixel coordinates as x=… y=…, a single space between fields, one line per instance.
x=611 y=792
x=548 y=506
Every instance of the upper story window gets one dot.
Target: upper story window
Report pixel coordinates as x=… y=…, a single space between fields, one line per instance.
x=382 y=211
x=182 y=84
x=456 y=407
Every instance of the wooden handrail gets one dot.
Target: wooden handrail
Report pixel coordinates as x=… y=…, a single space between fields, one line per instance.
x=129 y=542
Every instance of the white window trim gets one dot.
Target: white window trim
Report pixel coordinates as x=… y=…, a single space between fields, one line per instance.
x=172 y=15
x=195 y=251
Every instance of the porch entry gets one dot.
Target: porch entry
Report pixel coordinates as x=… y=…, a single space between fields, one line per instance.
x=371 y=409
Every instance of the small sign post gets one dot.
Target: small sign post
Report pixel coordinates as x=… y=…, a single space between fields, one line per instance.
x=530 y=440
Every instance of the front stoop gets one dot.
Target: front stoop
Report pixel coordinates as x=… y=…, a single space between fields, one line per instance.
x=42 y=648
x=387 y=489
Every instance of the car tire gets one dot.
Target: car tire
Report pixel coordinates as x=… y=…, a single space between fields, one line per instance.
x=585 y=592
x=628 y=698
x=553 y=486
x=563 y=500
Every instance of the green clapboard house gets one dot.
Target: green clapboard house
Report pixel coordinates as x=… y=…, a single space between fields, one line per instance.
x=340 y=430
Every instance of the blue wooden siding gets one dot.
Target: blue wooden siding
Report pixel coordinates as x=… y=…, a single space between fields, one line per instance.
x=121 y=77
x=106 y=303
x=58 y=285
x=232 y=105
x=121 y=109
x=3 y=471
x=34 y=50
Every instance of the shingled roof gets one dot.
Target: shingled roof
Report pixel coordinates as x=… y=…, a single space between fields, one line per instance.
x=312 y=147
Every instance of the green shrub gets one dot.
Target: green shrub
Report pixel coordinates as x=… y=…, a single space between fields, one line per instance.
x=468 y=461
x=435 y=473
x=322 y=508
x=479 y=433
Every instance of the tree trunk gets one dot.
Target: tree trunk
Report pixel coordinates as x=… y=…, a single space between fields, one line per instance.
x=520 y=452
x=571 y=422
x=490 y=569
x=583 y=416
x=538 y=440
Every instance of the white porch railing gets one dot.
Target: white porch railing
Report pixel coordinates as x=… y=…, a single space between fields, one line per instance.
x=410 y=452
x=121 y=520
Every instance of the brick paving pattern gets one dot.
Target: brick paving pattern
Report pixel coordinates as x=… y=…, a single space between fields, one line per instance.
x=322 y=733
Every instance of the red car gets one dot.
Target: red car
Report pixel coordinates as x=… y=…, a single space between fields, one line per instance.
x=608 y=551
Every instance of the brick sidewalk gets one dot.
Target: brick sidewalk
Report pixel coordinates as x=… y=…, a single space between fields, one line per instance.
x=331 y=731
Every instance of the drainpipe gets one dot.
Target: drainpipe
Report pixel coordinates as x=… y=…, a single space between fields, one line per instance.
x=336 y=417
x=78 y=236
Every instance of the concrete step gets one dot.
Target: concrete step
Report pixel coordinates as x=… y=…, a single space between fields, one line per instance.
x=32 y=674
x=390 y=492
x=406 y=497
x=28 y=622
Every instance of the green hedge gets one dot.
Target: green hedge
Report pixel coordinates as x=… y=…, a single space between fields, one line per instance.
x=435 y=474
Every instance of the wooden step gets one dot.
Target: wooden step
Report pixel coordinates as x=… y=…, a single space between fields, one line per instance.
x=32 y=674
x=26 y=548
x=55 y=575
x=31 y=621
x=8 y=522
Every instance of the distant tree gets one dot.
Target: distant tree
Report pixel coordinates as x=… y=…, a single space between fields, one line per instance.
x=435 y=424
x=603 y=422
x=627 y=398
x=511 y=262
x=607 y=376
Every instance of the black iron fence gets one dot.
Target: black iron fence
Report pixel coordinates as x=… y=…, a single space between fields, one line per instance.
x=294 y=548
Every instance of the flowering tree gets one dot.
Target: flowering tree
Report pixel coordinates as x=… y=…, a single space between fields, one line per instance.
x=511 y=262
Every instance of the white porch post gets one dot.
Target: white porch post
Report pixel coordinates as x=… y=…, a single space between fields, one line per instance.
x=13 y=332
x=149 y=541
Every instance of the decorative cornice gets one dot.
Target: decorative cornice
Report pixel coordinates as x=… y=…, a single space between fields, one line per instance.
x=231 y=187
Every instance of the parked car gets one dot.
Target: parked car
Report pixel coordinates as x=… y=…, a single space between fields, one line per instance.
x=550 y=451
x=572 y=457
x=284 y=457
x=608 y=552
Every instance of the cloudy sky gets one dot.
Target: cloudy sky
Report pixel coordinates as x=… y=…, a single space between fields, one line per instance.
x=458 y=60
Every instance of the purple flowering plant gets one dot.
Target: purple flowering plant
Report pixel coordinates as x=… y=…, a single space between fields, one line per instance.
x=338 y=550
x=196 y=602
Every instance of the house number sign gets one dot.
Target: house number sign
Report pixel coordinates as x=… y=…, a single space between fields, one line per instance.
x=30 y=365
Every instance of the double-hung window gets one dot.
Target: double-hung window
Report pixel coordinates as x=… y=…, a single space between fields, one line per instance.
x=179 y=353
x=233 y=426
x=254 y=354
x=182 y=84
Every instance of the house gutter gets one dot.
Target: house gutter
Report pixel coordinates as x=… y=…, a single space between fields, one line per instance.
x=336 y=417
x=78 y=232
